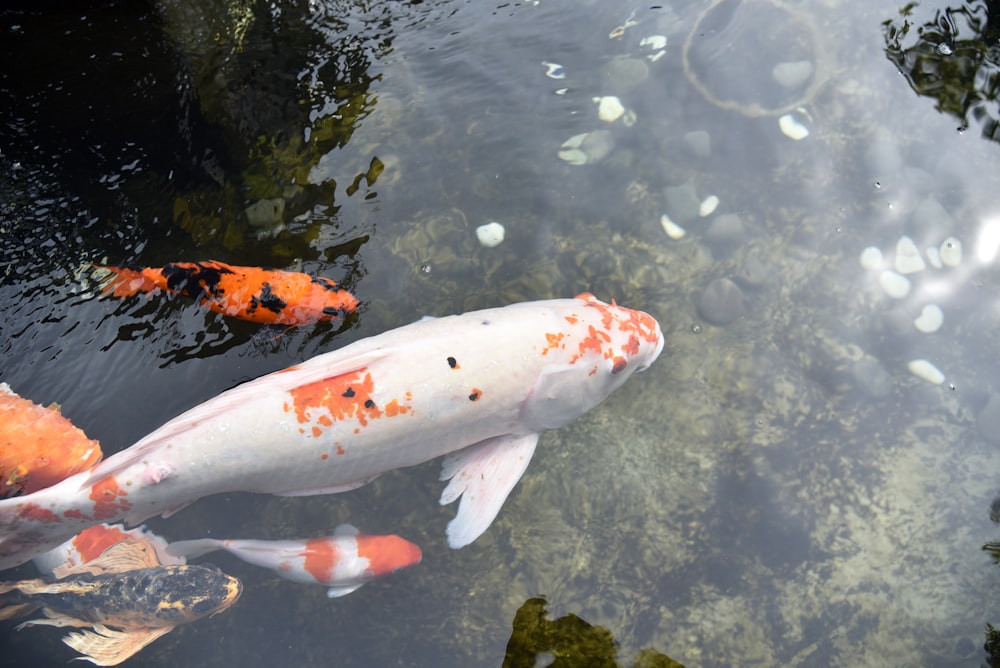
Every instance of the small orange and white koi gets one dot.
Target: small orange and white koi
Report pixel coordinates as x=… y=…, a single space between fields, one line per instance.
x=258 y=294
x=343 y=562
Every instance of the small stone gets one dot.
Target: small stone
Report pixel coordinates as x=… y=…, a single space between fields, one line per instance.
x=609 y=108
x=871 y=378
x=682 y=202
x=752 y=273
x=933 y=257
x=708 y=206
x=721 y=302
x=491 y=234
x=871 y=258
x=930 y=319
x=893 y=284
x=698 y=143
x=951 y=252
x=266 y=212
x=727 y=229
x=908 y=260
x=673 y=230
x=930 y=219
x=792 y=74
x=923 y=369
x=792 y=127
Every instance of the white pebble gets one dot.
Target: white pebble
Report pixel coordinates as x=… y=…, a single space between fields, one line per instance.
x=490 y=234
x=908 y=260
x=708 y=206
x=930 y=319
x=926 y=370
x=951 y=252
x=654 y=42
x=609 y=108
x=673 y=230
x=871 y=258
x=933 y=257
x=893 y=284
x=791 y=127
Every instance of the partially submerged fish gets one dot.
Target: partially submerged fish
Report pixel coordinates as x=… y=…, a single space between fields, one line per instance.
x=88 y=546
x=477 y=387
x=124 y=596
x=261 y=295
x=38 y=446
x=343 y=562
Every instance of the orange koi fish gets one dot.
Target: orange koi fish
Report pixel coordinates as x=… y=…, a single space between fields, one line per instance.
x=38 y=446
x=125 y=595
x=261 y=295
x=343 y=562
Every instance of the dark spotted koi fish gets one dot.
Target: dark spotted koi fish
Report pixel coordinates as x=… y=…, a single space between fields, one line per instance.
x=477 y=388
x=125 y=596
x=265 y=296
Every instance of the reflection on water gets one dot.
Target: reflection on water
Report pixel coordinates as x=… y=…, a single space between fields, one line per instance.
x=781 y=488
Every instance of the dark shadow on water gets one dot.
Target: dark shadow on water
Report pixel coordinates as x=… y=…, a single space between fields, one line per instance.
x=953 y=58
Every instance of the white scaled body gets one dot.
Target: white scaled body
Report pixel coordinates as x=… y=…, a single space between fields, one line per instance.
x=478 y=386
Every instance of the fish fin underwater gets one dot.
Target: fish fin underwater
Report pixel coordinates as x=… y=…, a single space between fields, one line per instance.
x=107 y=647
x=483 y=475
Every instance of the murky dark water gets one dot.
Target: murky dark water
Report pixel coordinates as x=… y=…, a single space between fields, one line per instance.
x=779 y=489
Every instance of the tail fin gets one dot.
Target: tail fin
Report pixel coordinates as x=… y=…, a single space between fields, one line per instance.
x=194 y=548
x=124 y=281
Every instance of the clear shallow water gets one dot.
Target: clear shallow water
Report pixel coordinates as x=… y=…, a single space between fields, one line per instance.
x=779 y=490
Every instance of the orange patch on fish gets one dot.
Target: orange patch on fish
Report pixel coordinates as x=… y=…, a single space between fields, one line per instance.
x=37 y=514
x=386 y=554
x=321 y=557
x=554 y=341
x=108 y=498
x=343 y=397
x=93 y=541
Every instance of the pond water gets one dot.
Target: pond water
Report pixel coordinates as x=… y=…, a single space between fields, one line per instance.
x=802 y=478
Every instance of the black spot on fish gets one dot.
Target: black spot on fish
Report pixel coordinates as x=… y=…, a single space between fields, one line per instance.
x=326 y=283
x=349 y=393
x=369 y=404
x=267 y=299
x=486 y=322
x=195 y=281
x=452 y=362
x=474 y=396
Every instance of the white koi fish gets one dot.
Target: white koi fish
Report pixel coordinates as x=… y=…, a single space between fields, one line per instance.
x=343 y=562
x=477 y=387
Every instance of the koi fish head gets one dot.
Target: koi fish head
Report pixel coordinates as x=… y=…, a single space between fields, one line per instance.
x=387 y=554
x=594 y=350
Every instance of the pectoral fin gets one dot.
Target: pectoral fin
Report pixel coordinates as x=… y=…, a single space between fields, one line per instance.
x=336 y=592
x=483 y=475
x=107 y=647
